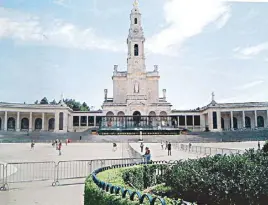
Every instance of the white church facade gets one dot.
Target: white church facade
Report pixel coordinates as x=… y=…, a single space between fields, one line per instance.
x=136 y=104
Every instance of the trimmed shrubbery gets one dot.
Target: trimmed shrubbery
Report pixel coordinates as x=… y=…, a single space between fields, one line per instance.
x=217 y=180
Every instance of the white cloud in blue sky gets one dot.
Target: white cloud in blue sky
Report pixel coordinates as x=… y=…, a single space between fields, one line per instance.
x=70 y=46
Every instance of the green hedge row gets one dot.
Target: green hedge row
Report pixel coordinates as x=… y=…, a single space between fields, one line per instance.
x=233 y=180
x=95 y=196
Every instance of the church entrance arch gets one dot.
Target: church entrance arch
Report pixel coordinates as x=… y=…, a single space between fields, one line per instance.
x=109 y=118
x=24 y=124
x=136 y=118
x=152 y=119
x=11 y=123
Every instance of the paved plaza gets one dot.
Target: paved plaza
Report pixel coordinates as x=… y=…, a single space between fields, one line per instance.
x=70 y=192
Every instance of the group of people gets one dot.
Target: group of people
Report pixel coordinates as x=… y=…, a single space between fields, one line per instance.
x=58 y=144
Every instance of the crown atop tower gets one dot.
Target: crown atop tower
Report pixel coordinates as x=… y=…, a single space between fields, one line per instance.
x=136 y=3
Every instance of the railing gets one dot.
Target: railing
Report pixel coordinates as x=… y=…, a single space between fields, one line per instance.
x=2 y=176
x=21 y=172
x=207 y=150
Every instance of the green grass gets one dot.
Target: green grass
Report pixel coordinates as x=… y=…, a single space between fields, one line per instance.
x=115 y=177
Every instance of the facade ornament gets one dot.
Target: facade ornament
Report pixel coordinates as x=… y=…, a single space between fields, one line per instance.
x=213 y=96
x=155 y=68
x=164 y=94
x=115 y=68
x=105 y=94
x=136 y=87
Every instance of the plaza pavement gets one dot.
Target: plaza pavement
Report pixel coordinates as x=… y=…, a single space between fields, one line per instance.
x=70 y=192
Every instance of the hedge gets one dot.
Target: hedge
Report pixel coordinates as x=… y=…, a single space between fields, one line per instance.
x=235 y=179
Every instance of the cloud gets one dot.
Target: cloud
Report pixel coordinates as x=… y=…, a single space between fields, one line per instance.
x=185 y=19
x=250 y=85
x=249 y=52
x=26 y=28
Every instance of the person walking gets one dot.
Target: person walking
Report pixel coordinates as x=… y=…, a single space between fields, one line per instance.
x=259 y=145
x=141 y=146
x=166 y=145
x=169 y=149
x=66 y=142
x=60 y=146
x=32 y=144
x=80 y=138
x=162 y=145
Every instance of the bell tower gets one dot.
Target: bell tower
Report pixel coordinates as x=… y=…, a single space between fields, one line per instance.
x=135 y=42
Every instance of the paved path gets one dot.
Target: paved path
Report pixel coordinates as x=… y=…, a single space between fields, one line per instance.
x=42 y=193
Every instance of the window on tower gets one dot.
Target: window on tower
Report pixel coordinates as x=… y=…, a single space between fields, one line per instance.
x=135 y=21
x=136 y=50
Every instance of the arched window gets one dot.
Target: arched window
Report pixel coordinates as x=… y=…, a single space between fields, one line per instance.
x=135 y=21
x=38 y=124
x=260 y=121
x=11 y=123
x=51 y=124
x=25 y=124
x=136 y=50
x=235 y=122
x=248 y=122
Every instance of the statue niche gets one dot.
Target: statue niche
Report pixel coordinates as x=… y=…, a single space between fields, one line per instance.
x=136 y=87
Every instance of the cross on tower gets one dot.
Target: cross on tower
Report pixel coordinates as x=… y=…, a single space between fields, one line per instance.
x=136 y=3
x=213 y=96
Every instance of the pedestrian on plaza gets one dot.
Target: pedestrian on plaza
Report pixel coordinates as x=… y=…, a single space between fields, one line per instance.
x=190 y=146
x=60 y=146
x=80 y=138
x=169 y=149
x=166 y=145
x=162 y=145
x=147 y=155
x=32 y=144
x=141 y=146
x=114 y=147
x=57 y=144
x=66 y=142
x=259 y=145
x=53 y=143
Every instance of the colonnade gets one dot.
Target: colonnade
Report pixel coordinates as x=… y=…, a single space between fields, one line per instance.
x=30 y=121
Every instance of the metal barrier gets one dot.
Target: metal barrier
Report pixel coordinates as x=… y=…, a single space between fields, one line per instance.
x=82 y=168
x=28 y=172
x=208 y=150
x=2 y=176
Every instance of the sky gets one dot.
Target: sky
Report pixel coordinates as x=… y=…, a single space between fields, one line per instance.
x=51 y=47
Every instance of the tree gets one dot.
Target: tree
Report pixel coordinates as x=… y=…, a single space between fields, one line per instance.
x=36 y=102
x=53 y=102
x=44 y=101
x=84 y=107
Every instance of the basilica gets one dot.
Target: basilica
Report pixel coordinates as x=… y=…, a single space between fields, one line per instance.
x=136 y=104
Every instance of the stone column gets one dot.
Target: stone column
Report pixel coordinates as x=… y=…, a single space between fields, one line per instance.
x=57 y=118
x=210 y=121
x=31 y=122
x=186 y=121
x=65 y=121
x=218 y=120
x=202 y=122
x=95 y=121
x=232 y=120
x=5 y=121
x=243 y=116
x=255 y=115
x=18 y=122
x=43 y=121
